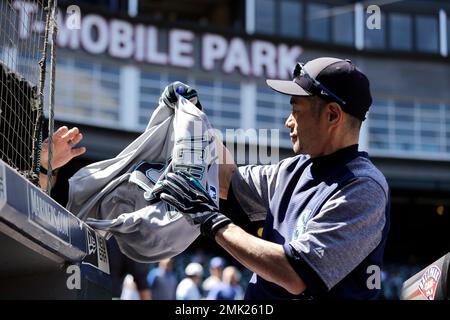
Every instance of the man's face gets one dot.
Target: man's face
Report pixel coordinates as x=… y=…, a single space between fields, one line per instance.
x=307 y=128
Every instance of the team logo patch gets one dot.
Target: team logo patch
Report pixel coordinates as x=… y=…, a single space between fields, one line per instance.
x=301 y=224
x=429 y=281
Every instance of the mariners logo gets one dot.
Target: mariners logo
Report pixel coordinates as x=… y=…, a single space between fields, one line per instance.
x=429 y=281
x=301 y=224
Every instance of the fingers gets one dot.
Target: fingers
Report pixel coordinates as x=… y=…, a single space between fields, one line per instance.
x=178 y=182
x=72 y=135
x=77 y=138
x=174 y=187
x=173 y=201
x=61 y=131
x=190 y=180
x=78 y=151
x=194 y=184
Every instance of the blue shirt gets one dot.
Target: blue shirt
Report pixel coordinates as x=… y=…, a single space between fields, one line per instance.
x=224 y=291
x=330 y=214
x=163 y=284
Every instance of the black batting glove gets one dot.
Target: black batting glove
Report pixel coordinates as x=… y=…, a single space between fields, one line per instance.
x=169 y=95
x=186 y=194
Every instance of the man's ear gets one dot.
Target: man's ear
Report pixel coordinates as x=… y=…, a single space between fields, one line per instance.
x=334 y=113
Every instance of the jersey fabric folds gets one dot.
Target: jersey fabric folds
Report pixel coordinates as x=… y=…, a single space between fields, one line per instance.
x=113 y=195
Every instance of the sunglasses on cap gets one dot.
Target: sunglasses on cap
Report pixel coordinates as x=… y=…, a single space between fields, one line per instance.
x=307 y=83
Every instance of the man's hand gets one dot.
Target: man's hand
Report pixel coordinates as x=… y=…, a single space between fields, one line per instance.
x=64 y=141
x=169 y=95
x=186 y=194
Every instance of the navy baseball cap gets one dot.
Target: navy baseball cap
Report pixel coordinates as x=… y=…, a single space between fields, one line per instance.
x=331 y=79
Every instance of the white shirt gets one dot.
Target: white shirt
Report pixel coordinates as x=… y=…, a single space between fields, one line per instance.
x=187 y=290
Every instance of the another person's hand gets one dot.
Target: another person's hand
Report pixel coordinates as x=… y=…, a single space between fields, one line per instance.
x=170 y=94
x=64 y=141
x=186 y=194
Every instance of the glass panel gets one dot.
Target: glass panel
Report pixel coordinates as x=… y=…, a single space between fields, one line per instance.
x=265 y=16
x=318 y=22
x=427 y=33
x=400 y=31
x=448 y=33
x=291 y=17
x=343 y=27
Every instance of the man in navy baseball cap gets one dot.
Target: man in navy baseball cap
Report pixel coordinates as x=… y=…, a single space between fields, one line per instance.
x=327 y=207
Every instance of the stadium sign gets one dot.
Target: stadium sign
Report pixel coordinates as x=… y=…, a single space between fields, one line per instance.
x=126 y=39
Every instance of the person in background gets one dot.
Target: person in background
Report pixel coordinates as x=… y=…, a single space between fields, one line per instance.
x=188 y=288
x=121 y=266
x=216 y=266
x=129 y=289
x=229 y=288
x=162 y=281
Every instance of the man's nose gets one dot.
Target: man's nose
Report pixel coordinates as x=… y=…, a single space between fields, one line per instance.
x=288 y=122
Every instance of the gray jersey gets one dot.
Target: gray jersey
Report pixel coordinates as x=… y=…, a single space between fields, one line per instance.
x=113 y=194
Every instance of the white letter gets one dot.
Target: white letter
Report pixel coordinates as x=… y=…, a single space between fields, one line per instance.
x=74 y=280
x=73 y=18
x=263 y=55
x=180 y=48
x=373 y=21
x=241 y=139
x=139 y=40
x=287 y=58
x=374 y=280
x=237 y=57
x=25 y=10
x=214 y=47
x=91 y=45
x=67 y=37
x=121 y=39
x=153 y=56
x=264 y=146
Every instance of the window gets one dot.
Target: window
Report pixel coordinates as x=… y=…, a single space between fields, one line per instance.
x=400 y=31
x=318 y=22
x=151 y=87
x=265 y=16
x=376 y=38
x=220 y=98
x=427 y=34
x=409 y=128
x=88 y=91
x=272 y=111
x=448 y=36
x=343 y=27
x=379 y=116
x=291 y=17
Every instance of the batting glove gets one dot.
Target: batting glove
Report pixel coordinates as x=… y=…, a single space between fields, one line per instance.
x=186 y=194
x=169 y=95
